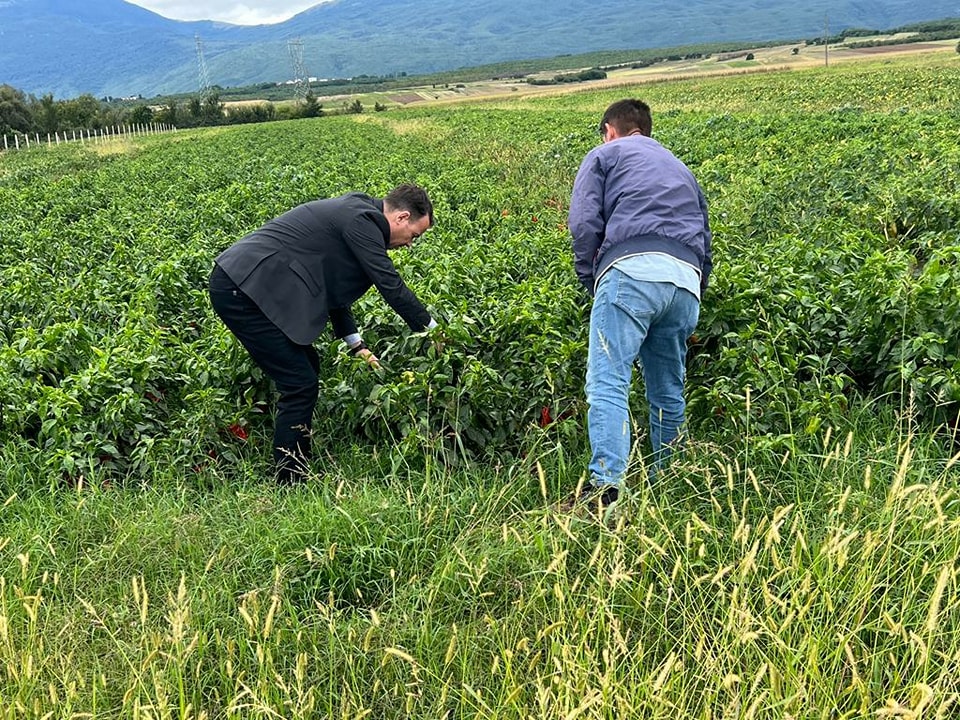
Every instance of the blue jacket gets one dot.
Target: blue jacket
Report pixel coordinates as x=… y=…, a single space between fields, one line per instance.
x=632 y=196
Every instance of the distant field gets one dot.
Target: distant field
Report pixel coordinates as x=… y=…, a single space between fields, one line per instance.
x=765 y=59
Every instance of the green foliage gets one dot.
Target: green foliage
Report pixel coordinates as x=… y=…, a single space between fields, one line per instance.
x=80 y=113
x=931 y=31
x=141 y=114
x=582 y=76
x=15 y=114
x=835 y=239
x=311 y=108
x=256 y=112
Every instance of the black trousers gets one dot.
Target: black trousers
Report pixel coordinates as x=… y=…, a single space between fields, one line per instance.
x=293 y=368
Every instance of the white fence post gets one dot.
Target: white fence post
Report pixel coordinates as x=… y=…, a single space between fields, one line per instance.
x=95 y=135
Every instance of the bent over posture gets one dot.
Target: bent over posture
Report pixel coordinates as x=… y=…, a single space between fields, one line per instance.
x=642 y=248
x=276 y=288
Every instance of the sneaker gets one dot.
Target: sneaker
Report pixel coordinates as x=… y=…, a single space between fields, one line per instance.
x=593 y=497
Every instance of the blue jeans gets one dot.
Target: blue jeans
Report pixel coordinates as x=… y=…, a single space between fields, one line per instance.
x=631 y=319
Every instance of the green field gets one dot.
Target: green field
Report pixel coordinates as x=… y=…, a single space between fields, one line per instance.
x=798 y=561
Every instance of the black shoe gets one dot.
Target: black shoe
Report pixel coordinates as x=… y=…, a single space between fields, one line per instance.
x=291 y=468
x=290 y=474
x=290 y=479
x=593 y=497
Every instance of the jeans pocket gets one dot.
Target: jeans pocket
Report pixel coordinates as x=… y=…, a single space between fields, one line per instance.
x=641 y=300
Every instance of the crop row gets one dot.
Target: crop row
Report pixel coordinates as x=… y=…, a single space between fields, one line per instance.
x=836 y=243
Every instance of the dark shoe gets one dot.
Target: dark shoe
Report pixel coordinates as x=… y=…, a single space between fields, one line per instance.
x=291 y=473
x=594 y=498
x=290 y=478
x=291 y=467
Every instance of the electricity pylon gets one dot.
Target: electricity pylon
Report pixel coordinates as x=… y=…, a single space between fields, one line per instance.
x=301 y=82
x=204 y=76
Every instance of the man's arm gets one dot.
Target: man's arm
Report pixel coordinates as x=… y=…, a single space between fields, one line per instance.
x=707 y=245
x=367 y=243
x=344 y=324
x=585 y=219
x=345 y=328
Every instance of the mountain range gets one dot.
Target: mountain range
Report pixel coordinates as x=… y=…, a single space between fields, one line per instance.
x=113 y=48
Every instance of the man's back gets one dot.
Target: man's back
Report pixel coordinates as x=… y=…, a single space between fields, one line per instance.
x=631 y=195
x=646 y=190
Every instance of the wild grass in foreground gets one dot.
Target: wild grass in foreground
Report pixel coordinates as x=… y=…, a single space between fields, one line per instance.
x=819 y=581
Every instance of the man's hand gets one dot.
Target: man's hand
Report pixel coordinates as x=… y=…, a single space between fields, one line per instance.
x=360 y=350
x=369 y=358
x=439 y=338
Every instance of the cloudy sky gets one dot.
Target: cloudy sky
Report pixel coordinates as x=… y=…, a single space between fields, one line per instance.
x=251 y=12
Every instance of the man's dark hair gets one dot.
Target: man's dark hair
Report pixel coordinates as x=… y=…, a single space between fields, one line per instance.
x=411 y=198
x=627 y=116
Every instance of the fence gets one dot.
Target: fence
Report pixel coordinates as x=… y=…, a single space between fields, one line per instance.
x=27 y=140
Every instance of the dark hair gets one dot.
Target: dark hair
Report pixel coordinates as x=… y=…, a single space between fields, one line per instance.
x=628 y=115
x=411 y=198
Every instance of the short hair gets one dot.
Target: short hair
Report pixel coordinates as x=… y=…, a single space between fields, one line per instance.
x=628 y=115
x=411 y=198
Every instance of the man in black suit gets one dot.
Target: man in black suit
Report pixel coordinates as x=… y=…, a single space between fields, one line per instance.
x=276 y=288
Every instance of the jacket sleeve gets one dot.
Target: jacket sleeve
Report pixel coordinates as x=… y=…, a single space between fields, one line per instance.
x=366 y=241
x=585 y=219
x=707 y=266
x=343 y=322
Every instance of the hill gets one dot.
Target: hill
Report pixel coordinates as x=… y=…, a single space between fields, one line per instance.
x=113 y=48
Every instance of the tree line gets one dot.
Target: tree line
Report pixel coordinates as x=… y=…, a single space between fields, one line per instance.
x=23 y=113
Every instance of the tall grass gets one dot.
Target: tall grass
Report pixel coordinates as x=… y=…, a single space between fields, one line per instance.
x=817 y=581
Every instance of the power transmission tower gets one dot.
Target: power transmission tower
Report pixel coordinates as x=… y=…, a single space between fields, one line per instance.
x=826 y=40
x=301 y=82
x=204 y=76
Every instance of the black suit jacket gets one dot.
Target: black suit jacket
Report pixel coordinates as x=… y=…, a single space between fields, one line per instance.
x=311 y=263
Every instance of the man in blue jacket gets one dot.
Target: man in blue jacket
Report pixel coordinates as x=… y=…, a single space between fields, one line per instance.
x=642 y=248
x=276 y=288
